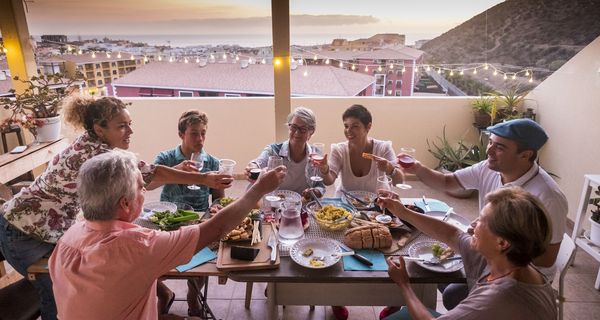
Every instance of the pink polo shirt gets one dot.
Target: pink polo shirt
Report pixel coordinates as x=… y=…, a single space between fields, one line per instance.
x=108 y=270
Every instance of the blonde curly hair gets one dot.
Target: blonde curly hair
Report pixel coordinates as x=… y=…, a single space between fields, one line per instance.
x=84 y=113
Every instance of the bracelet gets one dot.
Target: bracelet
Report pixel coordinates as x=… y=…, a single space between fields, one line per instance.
x=392 y=172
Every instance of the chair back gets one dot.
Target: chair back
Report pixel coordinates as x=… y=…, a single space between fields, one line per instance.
x=564 y=259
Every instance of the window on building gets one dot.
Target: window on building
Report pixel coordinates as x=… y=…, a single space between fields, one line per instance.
x=114 y=72
x=100 y=82
x=186 y=93
x=97 y=65
x=232 y=95
x=398 y=84
x=99 y=74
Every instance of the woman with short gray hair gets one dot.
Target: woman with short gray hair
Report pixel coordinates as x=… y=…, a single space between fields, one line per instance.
x=294 y=152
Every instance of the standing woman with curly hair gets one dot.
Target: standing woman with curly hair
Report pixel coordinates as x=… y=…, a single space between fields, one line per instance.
x=35 y=218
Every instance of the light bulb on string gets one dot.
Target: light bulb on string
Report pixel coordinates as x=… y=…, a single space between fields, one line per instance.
x=495 y=72
x=93 y=55
x=531 y=79
x=527 y=73
x=197 y=60
x=341 y=64
x=224 y=56
x=505 y=77
x=327 y=61
x=264 y=61
x=131 y=57
x=475 y=71
x=69 y=48
x=366 y=68
x=80 y=51
x=485 y=66
x=119 y=55
x=315 y=58
x=514 y=76
x=108 y=55
x=305 y=73
x=353 y=67
x=185 y=60
x=428 y=68
x=451 y=73
x=237 y=58
x=159 y=57
x=439 y=71
x=391 y=66
x=145 y=59
x=171 y=59
x=379 y=68
x=461 y=72
x=403 y=68
x=249 y=60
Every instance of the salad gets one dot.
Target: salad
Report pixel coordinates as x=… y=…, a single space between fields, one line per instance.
x=167 y=220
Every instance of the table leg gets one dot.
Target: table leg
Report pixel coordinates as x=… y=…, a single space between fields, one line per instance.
x=248 y=294
x=272 y=308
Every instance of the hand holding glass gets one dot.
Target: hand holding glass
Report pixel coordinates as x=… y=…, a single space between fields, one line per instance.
x=274 y=162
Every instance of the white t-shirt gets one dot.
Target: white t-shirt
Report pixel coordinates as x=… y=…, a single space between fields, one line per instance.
x=340 y=164
x=536 y=181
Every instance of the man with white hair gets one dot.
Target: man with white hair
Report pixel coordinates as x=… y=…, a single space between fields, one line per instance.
x=105 y=267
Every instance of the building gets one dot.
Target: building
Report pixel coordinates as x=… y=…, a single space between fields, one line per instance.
x=395 y=69
x=100 y=69
x=420 y=43
x=5 y=82
x=178 y=79
x=380 y=40
x=54 y=38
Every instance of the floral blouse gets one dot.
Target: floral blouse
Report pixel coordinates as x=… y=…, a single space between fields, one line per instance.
x=48 y=207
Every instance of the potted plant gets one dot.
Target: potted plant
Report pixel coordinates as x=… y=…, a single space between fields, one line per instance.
x=595 y=219
x=454 y=156
x=508 y=104
x=37 y=108
x=482 y=111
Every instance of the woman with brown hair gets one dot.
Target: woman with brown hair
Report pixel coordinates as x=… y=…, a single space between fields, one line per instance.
x=512 y=230
x=35 y=218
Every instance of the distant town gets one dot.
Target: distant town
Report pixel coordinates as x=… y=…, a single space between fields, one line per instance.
x=381 y=65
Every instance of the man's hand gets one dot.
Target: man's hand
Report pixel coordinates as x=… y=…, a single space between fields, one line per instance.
x=186 y=165
x=216 y=180
x=397 y=271
x=413 y=169
x=389 y=200
x=270 y=180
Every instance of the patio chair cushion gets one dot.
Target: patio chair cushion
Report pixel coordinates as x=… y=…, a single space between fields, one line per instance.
x=19 y=301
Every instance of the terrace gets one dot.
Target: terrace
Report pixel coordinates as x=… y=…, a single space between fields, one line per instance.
x=240 y=127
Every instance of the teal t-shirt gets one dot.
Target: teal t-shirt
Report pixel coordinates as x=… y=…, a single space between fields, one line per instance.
x=198 y=199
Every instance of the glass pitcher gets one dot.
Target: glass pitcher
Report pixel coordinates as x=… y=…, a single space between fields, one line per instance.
x=290 y=222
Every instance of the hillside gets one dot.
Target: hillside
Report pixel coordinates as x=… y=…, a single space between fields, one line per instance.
x=526 y=33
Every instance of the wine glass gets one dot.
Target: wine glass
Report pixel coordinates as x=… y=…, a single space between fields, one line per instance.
x=317 y=155
x=274 y=162
x=198 y=161
x=406 y=161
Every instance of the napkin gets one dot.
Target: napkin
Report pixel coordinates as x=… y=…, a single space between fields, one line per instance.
x=434 y=205
x=199 y=258
x=379 y=264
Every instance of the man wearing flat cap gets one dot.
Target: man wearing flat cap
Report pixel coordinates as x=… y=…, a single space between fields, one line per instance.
x=511 y=154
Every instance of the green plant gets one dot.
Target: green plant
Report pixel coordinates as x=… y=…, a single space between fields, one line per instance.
x=42 y=98
x=596 y=202
x=509 y=104
x=482 y=104
x=454 y=156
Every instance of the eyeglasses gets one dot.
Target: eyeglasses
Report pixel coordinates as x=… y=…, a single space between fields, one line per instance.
x=295 y=128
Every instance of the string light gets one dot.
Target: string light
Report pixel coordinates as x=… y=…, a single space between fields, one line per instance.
x=451 y=73
x=531 y=79
x=341 y=64
x=93 y=55
x=495 y=72
x=171 y=59
x=197 y=60
x=505 y=77
x=327 y=61
x=159 y=57
x=119 y=55
x=264 y=61
x=475 y=71
x=315 y=58
x=108 y=55
x=527 y=73
x=428 y=68
x=486 y=66
x=403 y=69
x=131 y=57
x=185 y=60
x=461 y=72
x=305 y=73
x=224 y=56
x=69 y=48
x=439 y=71
x=80 y=51
x=391 y=66
x=379 y=69
x=353 y=67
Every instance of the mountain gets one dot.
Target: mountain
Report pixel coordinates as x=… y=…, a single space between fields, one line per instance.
x=526 y=33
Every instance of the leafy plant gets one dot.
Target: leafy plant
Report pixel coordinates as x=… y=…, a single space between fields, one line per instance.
x=483 y=104
x=509 y=104
x=454 y=156
x=42 y=98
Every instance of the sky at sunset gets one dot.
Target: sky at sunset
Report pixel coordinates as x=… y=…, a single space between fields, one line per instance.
x=416 y=19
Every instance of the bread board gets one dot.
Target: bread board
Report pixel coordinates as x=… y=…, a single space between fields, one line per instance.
x=262 y=260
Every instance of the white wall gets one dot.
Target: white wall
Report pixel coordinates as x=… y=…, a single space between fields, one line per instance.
x=569 y=110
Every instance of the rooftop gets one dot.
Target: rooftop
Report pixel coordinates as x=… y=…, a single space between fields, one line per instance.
x=256 y=78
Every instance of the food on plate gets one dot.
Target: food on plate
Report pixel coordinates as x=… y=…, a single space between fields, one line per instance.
x=368 y=237
x=307 y=252
x=358 y=204
x=332 y=213
x=440 y=252
x=225 y=201
x=242 y=232
x=307 y=197
x=368 y=156
x=316 y=262
x=383 y=218
x=167 y=220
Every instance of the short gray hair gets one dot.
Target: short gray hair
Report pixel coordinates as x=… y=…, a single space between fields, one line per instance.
x=103 y=180
x=306 y=115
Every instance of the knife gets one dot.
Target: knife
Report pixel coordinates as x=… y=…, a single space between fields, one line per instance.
x=272 y=243
x=349 y=195
x=427 y=208
x=447 y=215
x=358 y=257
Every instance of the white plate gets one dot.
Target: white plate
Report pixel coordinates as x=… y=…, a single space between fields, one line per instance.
x=365 y=196
x=286 y=194
x=320 y=247
x=454 y=219
x=422 y=250
x=157 y=206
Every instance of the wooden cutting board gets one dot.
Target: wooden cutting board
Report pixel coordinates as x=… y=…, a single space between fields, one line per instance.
x=262 y=260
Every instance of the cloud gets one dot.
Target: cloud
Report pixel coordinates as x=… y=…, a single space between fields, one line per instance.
x=331 y=20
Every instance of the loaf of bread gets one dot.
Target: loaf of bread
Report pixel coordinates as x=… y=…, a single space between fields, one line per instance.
x=368 y=237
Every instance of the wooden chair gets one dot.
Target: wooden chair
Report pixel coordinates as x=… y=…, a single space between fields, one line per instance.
x=565 y=257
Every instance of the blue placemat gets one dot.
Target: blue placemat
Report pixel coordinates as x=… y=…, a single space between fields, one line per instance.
x=434 y=205
x=379 y=264
x=199 y=258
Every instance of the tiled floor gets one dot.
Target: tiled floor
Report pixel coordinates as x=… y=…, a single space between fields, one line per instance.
x=227 y=301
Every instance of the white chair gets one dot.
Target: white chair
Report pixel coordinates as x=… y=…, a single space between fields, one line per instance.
x=565 y=257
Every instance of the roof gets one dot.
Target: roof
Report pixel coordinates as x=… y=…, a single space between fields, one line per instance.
x=256 y=78
x=397 y=53
x=100 y=57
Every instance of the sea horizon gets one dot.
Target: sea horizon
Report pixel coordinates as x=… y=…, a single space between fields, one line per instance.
x=244 y=40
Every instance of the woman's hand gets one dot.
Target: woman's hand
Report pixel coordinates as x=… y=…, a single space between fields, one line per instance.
x=187 y=165
x=383 y=164
x=397 y=271
x=321 y=164
x=247 y=173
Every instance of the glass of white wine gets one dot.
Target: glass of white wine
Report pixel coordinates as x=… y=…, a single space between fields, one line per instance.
x=198 y=161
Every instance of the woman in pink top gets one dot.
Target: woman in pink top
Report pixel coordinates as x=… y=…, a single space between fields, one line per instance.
x=35 y=218
x=105 y=267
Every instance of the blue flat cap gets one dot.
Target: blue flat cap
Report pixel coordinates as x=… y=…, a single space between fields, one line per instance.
x=523 y=131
